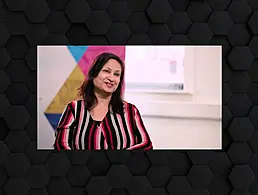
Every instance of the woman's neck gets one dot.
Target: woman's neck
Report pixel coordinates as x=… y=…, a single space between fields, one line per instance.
x=103 y=99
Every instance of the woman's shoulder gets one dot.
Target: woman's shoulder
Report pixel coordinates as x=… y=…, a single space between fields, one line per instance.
x=75 y=102
x=128 y=104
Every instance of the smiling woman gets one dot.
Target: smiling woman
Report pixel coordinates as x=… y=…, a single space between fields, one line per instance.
x=101 y=119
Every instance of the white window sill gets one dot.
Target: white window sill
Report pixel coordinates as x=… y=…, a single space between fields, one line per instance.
x=177 y=108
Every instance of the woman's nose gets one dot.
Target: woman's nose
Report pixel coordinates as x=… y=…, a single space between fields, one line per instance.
x=111 y=78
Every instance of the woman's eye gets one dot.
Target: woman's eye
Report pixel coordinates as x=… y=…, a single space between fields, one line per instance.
x=108 y=71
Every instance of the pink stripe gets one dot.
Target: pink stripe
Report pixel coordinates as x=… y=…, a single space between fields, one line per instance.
x=66 y=138
x=65 y=132
x=68 y=112
x=122 y=129
x=129 y=122
x=148 y=147
x=97 y=140
x=105 y=136
x=57 y=140
x=141 y=130
x=105 y=144
x=89 y=144
x=110 y=134
x=73 y=104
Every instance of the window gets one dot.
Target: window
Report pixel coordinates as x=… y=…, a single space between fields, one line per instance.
x=154 y=69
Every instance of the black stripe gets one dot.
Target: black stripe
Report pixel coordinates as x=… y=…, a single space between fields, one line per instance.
x=93 y=136
x=73 y=137
x=105 y=129
x=74 y=127
x=71 y=128
x=102 y=141
x=86 y=138
x=72 y=108
x=70 y=137
x=59 y=140
x=119 y=131
x=78 y=112
x=126 y=130
x=113 y=131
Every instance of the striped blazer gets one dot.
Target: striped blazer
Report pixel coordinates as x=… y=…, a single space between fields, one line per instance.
x=77 y=130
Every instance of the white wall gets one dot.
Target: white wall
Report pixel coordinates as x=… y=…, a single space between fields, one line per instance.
x=54 y=66
x=191 y=119
x=187 y=120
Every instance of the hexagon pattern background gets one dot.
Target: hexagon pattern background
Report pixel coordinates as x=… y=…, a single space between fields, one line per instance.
x=24 y=24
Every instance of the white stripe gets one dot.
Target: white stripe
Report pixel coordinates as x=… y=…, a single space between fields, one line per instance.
x=105 y=144
x=85 y=127
x=67 y=131
x=79 y=124
x=75 y=108
x=123 y=130
x=99 y=138
x=116 y=129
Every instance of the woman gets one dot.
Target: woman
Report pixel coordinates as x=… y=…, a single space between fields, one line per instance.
x=102 y=120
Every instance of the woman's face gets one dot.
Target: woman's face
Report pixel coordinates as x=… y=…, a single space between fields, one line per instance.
x=108 y=78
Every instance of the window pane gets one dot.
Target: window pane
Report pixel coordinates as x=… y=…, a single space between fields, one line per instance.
x=154 y=67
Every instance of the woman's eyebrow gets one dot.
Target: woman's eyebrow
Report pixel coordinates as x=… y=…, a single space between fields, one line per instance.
x=118 y=70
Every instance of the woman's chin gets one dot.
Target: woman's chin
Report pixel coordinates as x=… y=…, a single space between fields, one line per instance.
x=108 y=91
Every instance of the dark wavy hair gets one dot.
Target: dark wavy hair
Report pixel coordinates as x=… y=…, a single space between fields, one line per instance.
x=86 y=91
